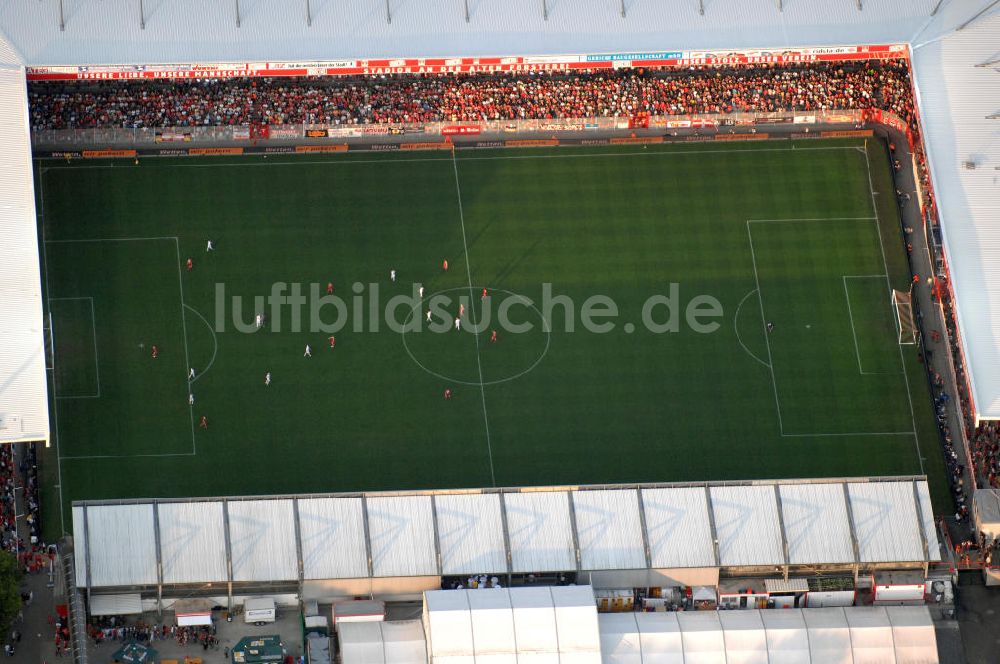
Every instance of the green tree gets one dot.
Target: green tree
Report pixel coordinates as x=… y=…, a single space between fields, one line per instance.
x=10 y=596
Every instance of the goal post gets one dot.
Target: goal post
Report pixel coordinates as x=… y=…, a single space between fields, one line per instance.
x=906 y=327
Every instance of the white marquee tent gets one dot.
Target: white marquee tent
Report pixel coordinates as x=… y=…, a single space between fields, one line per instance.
x=390 y=642
x=851 y=635
x=501 y=626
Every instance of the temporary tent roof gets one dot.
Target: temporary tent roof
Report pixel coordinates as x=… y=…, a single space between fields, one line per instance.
x=486 y=625
x=903 y=635
x=394 y=642
x=532 y=530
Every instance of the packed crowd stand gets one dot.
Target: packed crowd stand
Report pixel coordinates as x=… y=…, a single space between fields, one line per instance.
x=409 y=98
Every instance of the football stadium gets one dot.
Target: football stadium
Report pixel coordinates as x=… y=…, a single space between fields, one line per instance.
x=673 y=328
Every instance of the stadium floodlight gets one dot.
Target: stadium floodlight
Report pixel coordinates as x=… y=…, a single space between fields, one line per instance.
x=905 y=325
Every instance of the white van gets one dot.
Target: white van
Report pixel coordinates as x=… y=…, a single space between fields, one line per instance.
x=259 y=611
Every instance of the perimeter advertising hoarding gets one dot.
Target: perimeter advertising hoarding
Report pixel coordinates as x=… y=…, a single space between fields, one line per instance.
x=470 y=64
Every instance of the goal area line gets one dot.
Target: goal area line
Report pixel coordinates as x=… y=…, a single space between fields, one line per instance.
x=767 y=342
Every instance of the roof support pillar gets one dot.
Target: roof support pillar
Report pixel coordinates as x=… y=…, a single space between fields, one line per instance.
x=781 y=528
x=642 y=526
x=237 y=13
x=545 y=9
x=301 y=566
x=229 y=555
x=623 y=8
x=368 y=537
x=466 y=11
x=388 y=13
x=854 y=532
x=86 y=547
x=701 y=7
x=920 y=522
x=576 y=534
x=309 y=14
x=159 y=559
x=437 y=535
x=142 y=15
x=62 y=28
x=506 y=537
x=711 y=523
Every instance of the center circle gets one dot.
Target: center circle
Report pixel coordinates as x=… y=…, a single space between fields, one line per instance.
x=526 y=302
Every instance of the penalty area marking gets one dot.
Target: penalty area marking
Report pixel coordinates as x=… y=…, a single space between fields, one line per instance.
x=215 y=343
x=774 y=381
x=187 y=364
x=97 y=363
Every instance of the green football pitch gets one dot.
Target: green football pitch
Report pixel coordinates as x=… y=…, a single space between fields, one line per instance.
x=799 y=235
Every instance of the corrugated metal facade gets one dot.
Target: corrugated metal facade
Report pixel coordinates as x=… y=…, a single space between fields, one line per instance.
x=747 y=525
x=541 y=537
x=885 y=520
x=24 y=406
x=470 y=531
x=678 y=528
x=192 y=542
x=816 y=523
x=401 y=531
x=545 y=530
x=609 y=530
x=333 y=538
x=262 y=537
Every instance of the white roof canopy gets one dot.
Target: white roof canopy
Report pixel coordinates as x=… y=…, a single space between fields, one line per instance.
x=547 y=530
x=958 y=103
x=24 y=405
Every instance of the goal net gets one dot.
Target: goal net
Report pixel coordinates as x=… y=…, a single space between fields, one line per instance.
x=905 y=325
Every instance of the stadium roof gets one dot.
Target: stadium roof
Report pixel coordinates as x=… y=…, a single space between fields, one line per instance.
x=958 y=81
x=279 y=30
x=24 y=405
x=429 y=534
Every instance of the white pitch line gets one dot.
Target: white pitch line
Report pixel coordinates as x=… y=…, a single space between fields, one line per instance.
x=767 y=342
x=55 y=402
x=215 y=344
x=97 y=363
x=850 y=315
x=187 y=359
x=479 y=362
x=888 y=283
x=113 y=239
x=736 y=317
x=862 y=433
x=771 y=221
